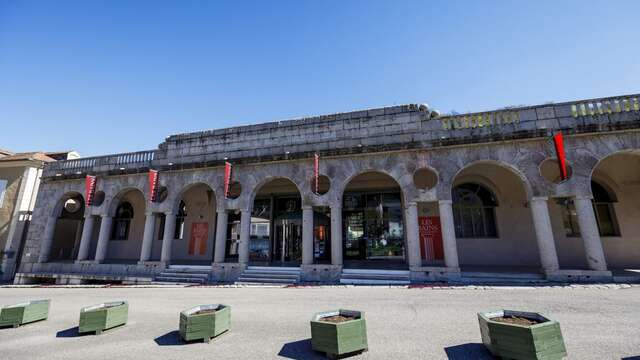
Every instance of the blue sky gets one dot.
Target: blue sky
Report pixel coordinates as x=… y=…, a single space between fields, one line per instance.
x=116 y=76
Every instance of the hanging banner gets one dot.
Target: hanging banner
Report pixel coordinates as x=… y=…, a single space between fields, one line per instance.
x=89 y=189
x=198 y=240
x=153 y=185
x=562 y=161
x=431 y=238
x=316 y=173
x=227 y=178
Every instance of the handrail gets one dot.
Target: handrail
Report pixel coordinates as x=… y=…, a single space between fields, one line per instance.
x=91 y=162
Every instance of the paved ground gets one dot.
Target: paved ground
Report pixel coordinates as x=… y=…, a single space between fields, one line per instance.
x=598 y=323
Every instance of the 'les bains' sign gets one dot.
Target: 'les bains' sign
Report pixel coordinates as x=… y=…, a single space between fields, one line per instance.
x=480 y=120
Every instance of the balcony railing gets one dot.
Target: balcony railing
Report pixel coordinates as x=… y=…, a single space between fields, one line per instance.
x=122 y=160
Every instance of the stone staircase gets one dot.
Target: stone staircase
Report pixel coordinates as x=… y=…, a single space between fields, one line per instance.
x=269 y=275
x=374 y=277
x=184 y=274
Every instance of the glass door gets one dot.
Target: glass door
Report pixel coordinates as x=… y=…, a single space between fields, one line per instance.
x=288 y=241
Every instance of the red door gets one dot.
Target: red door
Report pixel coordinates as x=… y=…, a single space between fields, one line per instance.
x=431 y=238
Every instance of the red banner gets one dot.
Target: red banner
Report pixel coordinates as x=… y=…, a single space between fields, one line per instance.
x=227 y=178
x=562 y=161
x=431 y=238
x=153 y=185
x=198 y=240
x=316 y=172
x=89 y=189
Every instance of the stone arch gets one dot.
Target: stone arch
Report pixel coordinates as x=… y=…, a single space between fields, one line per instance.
x=175 y=200
x=115 y=199
x=504 y=236
x=127 y=250
x=57 y=208
x=257 y=187
x=67 y=228
x=342 y=185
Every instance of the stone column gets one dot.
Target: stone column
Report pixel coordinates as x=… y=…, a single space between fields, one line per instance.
x=167 y=239
x=590 y=234
x=103 y=238
x=307 y=235
x=544 y=233
x=245 y=236
x=147 y=237
x=414 y=257
x=448 y=234
x=85 y=241
x=336 y=235
x=221 y=236
x=47 y=239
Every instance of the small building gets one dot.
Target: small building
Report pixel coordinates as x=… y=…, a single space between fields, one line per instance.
x=20 y=175
x=394 y=192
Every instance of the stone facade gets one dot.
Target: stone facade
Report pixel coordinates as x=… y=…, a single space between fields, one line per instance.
x=503 y=150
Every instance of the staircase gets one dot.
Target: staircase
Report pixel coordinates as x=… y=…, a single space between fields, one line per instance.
x=513 y=278
x=374 y=277
x=184 y=274
x=269 y=275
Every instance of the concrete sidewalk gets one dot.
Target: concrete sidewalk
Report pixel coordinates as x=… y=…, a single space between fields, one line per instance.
x=598 y=322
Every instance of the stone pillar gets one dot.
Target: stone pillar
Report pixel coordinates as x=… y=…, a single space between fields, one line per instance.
x=47 y=239
x=147 y=237
x=221 y=236
x=85 y=241
x=167 y=239
x=414 y=257
x=307 y=235
x=336 y=235
x=103 y=238
x=544 y=233
x=448 y=234
x=245 y=236
x=590 y=234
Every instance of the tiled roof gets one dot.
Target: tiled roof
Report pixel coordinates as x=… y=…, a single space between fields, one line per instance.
x=27 y=156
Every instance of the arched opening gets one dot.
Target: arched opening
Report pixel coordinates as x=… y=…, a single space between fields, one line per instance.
x=493 y=226
x=373 y=223
x=616 y=194
x=276 y=225
x=194 y=231
x=68 y=229
x=125 y=240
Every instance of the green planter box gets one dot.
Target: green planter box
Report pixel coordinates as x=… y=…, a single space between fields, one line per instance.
x=336 y=339
x=104 y=316
x=512 y=341
x=20 y=314
x=198 y=323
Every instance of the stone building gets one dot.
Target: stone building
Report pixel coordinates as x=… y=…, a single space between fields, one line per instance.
x=19 y=180
x=401 y=194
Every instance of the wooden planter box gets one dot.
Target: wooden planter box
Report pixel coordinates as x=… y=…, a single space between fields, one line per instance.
x=20 y=314
x=336 y=339
x=104 y=316
x=512 y=341
x=207 y=325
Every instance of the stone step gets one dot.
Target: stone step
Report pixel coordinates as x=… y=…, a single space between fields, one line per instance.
x=198 y=275
x=375 y=277
x=272 y=276
x=352 y=281
x=262 y=280
x=176 y=279
x=376 y=271
x=501 y=275
x=272 y=269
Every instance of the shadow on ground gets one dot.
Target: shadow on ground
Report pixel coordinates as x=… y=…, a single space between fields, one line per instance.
x=172 y=338
x=300 y=350
x=70 y=332
x=469 y=351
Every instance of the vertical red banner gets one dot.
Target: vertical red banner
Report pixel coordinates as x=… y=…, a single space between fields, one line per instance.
x=153 y=185
x=198 y=240
x=227 y=178
x=89 y=189
x=431 y=238
x=316 y=172
x=562 y=160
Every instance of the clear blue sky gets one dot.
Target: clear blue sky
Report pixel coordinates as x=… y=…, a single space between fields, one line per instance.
x=115 y=76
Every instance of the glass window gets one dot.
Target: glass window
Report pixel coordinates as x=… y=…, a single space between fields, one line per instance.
x=260 y=236
x=3 y=187
x=605 y=212
x=569 y=217
x=474 y=211
x=178 y=232
x=122 y=221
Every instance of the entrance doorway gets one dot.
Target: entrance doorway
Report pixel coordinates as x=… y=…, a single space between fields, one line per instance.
x=276 y=225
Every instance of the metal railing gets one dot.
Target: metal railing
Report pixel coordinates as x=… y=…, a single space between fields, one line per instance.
x=83 y=164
